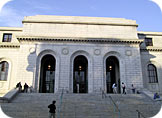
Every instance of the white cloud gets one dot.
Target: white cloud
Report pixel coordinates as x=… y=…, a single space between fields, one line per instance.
x=2 y=3
x=10 y=17
x=158 y=2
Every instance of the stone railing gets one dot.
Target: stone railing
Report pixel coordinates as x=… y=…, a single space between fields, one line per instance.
x=9 y=96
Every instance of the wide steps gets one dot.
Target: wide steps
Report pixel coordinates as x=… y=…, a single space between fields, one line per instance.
x=35 y=105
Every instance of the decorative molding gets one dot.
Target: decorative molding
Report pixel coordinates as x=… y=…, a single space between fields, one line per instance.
x=128 y=53
x=65 y=51
x=97 y=52
x=151 y=50
x=9 y=45
x=84 y=40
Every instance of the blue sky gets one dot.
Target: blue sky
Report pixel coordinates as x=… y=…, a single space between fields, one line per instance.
x=146 y=13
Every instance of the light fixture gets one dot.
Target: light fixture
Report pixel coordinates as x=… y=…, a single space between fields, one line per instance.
x=80 y=67
x=110 y=67
x=49 y=67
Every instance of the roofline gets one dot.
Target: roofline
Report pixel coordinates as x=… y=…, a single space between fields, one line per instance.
x=79 y=20
x=150 y=33
x=83 y=23
x=11 y=28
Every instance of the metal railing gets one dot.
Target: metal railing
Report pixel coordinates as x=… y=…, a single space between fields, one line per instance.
x=59 y=109
x=139 y=114
x=115 y=106
x=103 y=94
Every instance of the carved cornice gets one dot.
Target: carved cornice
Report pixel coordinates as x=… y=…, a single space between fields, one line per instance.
x=9 y=45
x=151 y=49
x=83 y=40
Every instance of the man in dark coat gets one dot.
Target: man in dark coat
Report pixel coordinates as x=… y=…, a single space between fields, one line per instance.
x=52 y=110
x=26 y=88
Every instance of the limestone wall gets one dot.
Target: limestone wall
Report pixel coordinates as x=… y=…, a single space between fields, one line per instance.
x=152 y=55
x=129 y=62
x=89 y=27
x=24 y=56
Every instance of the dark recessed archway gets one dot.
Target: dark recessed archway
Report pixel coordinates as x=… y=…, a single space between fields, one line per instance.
x=112 y=73
x=80 y=75
x=47 y=74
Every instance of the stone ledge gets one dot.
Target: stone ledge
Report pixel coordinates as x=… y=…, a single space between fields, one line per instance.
x=11 y=28
x=9 y=45
x=9 y=96
x=92 y=40
x=79 y=20
x=151 y=49
x=150 y=33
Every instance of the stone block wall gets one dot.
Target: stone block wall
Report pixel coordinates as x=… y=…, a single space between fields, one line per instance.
x=130 y=66
x=152 y=55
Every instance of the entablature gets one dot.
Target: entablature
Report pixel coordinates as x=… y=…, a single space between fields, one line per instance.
x=151 y=49
x=9 y=45
x=76 y=40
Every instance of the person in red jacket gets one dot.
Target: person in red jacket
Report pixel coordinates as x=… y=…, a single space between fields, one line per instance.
x=52 y=110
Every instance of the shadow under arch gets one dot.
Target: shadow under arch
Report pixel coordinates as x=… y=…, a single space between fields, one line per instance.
x=89 y=73
x=112 y=65
x=38 y=68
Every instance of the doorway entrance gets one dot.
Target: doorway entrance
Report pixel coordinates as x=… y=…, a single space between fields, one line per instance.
x=80 y=75
x=112 y=74
x=47 y=74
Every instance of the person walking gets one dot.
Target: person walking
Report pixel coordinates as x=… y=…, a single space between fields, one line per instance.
x=123 y=87
x=52 y=110
x=26 y=88
x=133 y=89
x=19 y=86
x=114 y=88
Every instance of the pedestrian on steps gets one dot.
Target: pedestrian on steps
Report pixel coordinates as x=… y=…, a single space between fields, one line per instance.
x=19 y=86
x=123 y=87
x=52 y=110
x=26 y=88
x=114 y=88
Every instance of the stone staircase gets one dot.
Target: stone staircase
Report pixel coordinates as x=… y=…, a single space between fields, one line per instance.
x=34 y=105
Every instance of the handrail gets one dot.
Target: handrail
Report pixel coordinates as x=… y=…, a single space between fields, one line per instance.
x=8 y=97
x=115 y=106
x=114 y=103
x=4 y=99
x=103 y=94
x=140 y=114
x=61 y=96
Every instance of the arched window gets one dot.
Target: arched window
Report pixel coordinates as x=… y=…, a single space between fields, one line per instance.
x=152 y=73
x=3 y=70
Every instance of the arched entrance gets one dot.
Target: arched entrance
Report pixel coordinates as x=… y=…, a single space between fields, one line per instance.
x=47 y=74
x=80 y=75
x=112 y=74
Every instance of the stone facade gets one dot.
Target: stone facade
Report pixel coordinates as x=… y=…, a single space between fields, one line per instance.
x=65 y=38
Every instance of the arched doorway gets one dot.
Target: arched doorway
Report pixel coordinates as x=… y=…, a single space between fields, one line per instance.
x=80 y=75
x=112 y=74
x=47 y=74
